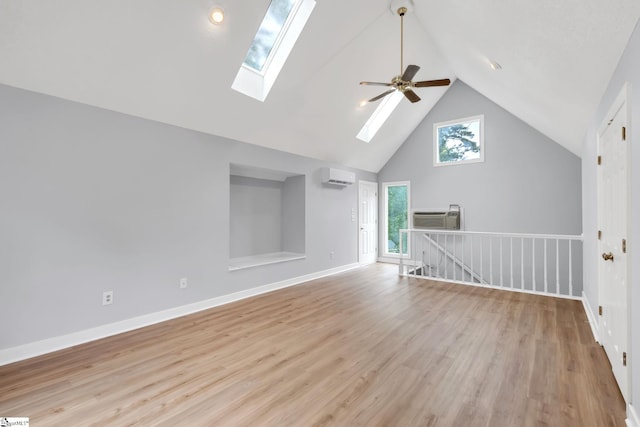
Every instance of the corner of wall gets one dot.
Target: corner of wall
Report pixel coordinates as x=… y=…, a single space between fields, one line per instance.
x=632 y=417
x=593 y=320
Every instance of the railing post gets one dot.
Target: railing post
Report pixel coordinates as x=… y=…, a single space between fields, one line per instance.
x=490 y=261
x=481 y=258
x=511 y=260
x=501 y=269
x=452 y=254
x=570 y=269
x=557 y=267
x=400 y=264
x=533 y=264
x=430 y=241
x=545 y=267
x=438 y=263
x=522 y=263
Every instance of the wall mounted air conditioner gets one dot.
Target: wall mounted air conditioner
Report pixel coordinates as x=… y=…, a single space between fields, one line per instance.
x=337 y=176
x=437 y=219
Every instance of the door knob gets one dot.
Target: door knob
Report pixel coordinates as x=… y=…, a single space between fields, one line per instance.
x=607 y=257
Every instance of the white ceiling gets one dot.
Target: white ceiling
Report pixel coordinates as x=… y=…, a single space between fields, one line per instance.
x=163 y=60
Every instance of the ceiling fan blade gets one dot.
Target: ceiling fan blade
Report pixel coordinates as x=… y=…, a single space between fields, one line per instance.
x=429 y=83
x=375 y=84
x=382 y=95
x=410 y=72
x=411 y=95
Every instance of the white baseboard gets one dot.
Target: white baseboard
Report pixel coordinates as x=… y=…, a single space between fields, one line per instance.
x=26 y=351
x=632 y=417
x=388 y=260
x=593 y=320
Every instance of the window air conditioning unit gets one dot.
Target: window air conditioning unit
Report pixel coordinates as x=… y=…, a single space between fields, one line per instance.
x=437 y=220
x=338 y=177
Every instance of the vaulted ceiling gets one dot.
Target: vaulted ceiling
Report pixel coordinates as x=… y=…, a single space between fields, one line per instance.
x=162 y=60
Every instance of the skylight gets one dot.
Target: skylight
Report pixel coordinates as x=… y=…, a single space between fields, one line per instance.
x=280 y=28
x=379 y=116
x=271 y=27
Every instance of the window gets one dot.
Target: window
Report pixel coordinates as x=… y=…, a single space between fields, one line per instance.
x=379 y=116
x=396 y=216
x=270 y=29
x=280 y=28
x=458 y=141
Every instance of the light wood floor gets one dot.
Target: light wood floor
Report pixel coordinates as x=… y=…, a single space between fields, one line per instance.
x=361 y=348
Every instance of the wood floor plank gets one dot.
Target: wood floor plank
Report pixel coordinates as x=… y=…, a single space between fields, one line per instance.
x=366 y=347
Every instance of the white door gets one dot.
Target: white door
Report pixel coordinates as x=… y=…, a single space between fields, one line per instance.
x=613 y=141
x=368 y=222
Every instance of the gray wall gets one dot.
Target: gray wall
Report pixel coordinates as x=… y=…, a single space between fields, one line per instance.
x=293 y=214
x=255 y=216
x=628 y=70
x=94 y=200
x=527 y=183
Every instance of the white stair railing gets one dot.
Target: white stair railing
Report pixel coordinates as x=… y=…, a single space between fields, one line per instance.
x=533 y=263
x=451 y=257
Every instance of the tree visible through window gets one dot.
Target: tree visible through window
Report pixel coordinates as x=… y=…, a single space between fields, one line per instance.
x=458 y=141
x=397 y=216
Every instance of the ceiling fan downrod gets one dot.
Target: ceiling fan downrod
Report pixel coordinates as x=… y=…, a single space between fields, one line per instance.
x=403 y=82
x=401 y=11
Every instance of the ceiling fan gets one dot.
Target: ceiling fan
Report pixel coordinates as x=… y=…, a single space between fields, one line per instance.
x=403 y=81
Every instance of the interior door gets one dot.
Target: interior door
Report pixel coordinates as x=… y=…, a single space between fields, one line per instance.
x=612 y=224
x=368 y=222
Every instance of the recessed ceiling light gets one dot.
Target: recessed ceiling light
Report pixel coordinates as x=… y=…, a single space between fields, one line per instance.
x=495 y=66
x=216 y=16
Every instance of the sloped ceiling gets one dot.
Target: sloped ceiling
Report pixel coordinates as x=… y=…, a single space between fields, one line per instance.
x=162 y=60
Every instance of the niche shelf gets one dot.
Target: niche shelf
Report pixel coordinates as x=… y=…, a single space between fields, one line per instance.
x=266 y=216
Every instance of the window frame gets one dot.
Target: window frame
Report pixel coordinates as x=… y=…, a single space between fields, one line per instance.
x=379 y=116
x=277 y=42
x=258 y=84
x=436 y=148
x=385 y=192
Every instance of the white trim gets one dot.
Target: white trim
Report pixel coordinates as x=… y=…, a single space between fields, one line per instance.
x=498 y=288
x=457 y=261
x=632 y=417
x=251 y=261
x=377 y=223
x=593 y=320
x=389 y=260
x=257 y=84
x=379 y=116
x=436 y=149
x=385 y=192
x=33 y=349
x=622 y=100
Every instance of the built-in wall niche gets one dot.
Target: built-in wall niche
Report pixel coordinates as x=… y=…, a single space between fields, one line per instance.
x=266 y=216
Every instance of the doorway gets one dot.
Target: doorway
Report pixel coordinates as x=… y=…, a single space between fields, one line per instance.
x=613 y=215
x=368 y=222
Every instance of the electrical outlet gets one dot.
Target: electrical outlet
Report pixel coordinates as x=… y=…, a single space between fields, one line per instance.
x=107 y=297
x=183 y=283
x=331 y=255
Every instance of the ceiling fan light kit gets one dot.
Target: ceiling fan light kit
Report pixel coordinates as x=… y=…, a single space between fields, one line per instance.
x=404 y=81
